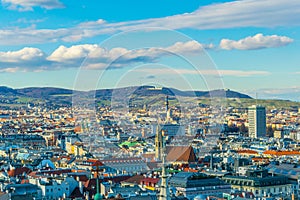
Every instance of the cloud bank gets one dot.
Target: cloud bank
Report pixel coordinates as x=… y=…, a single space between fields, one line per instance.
x=34 y=59
x=235 y=73
x=258 y=41
x=244 y=13
x=27 y=5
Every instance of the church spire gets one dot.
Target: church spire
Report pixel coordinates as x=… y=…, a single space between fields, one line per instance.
x=167 y=103
x=159 y=143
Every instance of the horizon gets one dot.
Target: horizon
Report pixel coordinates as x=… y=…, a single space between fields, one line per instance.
x=72 y=89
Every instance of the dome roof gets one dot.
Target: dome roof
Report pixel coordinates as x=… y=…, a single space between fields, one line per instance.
x=98 y=196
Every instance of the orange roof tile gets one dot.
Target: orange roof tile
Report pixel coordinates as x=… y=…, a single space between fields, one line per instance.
x=247 y=151
x=281 y=153
x=180 y=154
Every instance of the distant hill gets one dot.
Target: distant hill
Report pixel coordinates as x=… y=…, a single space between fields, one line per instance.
x=7 y=91
x=43 y=92
x=60 y=96
x=151 y=91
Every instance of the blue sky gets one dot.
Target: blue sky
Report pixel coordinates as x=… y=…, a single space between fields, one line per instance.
x=248 y=45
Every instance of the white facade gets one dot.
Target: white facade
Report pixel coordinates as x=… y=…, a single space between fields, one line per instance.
x=257 y=121
x=55 y=188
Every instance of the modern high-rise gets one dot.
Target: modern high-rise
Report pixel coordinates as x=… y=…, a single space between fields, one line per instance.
x=257 y=121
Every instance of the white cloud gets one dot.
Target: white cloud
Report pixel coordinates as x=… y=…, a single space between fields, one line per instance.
x=258 y=41
x=27 y=5
x=26 y=59
x=31 y=35
x=236 y=73
x=242 y=73
x=91 y=23
x=10 y=70
x=97 y=56
x=30 y=21
x=33 y=59
x=64 y=54
x=243 y=13
x=188 y=47
x=26 y=54
x=290 y=93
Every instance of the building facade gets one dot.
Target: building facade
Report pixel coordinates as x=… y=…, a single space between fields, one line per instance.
x=260 y=183
x=257 y=121
x=191 y=184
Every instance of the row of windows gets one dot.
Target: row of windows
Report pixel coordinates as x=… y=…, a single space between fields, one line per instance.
x=51 y=189
x=269 y=190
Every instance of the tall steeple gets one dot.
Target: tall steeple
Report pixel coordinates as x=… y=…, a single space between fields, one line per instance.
x=167 y=103
x=164 y=189
x=164 y=193
x=168 y=110
x=160 y=155
x=159 y=143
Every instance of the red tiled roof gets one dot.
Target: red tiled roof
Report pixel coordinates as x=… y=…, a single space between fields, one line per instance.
x=97 y=163
x=50 y=172
x=82 y=178
x=149 y=180
x=24 y=181
x=189 y=170
x=180 y=154
x=281 y=153
x=18 y=171
x=135 y=179
x=247 y=151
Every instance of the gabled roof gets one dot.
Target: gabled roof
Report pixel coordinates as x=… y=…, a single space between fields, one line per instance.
x=135 y=179
x=18 y=171
x=150 y=180
x=97 y=163
x=180 y=154
x=76 y=193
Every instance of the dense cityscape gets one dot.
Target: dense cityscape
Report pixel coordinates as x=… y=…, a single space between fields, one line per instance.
x=149 y=100
x=47 y=153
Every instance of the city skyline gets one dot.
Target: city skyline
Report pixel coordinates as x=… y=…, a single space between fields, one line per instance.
x=253 y=45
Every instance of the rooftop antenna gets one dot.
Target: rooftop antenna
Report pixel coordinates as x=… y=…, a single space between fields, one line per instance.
x=167 y=103
x=256 y=97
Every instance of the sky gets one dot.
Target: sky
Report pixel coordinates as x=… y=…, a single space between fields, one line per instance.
x=251 y=46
